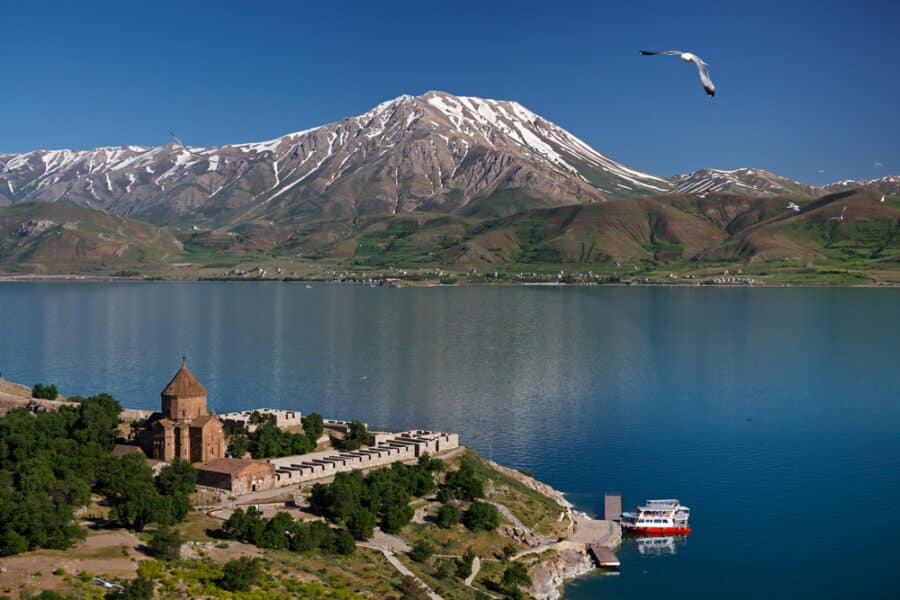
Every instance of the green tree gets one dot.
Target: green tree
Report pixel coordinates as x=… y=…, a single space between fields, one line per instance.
x=421 y=551
x=515 y=575
x=238 y=445
x=481 y=515
x=178 y=477
x=448 y=516
x=462 y=484
x=344 y=544
x=240 y=574
x=136 y=589
x=361 y=524
x=275 y=532
x=357 y=435
x=313 y=427
x=396 y=517
x=98 y=418
x=165 y=544
x=430 y=464
x=244 y=526
x=128 y=485
x=44 y=392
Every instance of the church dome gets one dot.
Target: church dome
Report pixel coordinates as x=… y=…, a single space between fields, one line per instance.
x=184 y=385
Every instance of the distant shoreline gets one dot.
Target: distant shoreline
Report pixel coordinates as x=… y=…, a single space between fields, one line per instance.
x=419 y=284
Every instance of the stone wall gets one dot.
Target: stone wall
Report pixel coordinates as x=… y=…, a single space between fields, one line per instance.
x=251 y=478
x=391 y=448
x=283 y=418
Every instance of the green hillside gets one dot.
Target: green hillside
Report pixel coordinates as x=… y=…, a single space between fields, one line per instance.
x=625 y=240
x=45 y=238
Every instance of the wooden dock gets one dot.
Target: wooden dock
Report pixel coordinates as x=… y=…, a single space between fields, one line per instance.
x=605 y=557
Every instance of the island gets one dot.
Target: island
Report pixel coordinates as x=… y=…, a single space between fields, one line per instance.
x=104 y=502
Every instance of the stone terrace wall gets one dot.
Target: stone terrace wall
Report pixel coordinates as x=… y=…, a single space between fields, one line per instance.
x=283 y=418
x=407 y=445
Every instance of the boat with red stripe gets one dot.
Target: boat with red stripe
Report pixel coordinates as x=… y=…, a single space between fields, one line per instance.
x=658 y=517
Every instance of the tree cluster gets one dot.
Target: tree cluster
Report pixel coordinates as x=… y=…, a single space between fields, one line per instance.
x=462 y=484
x=44 y=392
x=282 y=532
x=48 y=464
x=465 y=485
x=137 y=498
x=381 y=497
x=270 y=441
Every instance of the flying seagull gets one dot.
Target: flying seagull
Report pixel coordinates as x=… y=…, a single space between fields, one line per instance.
x=183 y=145
x=840 y=219
x=794 y=206
x=882 y=197
x=689 y=57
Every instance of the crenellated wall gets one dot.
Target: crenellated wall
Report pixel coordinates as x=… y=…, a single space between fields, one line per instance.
x=390 y=448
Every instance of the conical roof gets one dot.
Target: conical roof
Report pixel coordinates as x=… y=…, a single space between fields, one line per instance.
x=184 y=385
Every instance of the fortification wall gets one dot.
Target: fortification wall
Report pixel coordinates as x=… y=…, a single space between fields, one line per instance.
x=283 y=418
x=398 y=447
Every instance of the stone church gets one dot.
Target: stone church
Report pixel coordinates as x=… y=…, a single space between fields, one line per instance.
x=184 y=429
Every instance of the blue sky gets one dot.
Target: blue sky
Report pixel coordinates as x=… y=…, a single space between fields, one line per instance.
x=809 y=90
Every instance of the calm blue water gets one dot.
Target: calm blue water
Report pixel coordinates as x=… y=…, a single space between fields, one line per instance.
x=773 y=413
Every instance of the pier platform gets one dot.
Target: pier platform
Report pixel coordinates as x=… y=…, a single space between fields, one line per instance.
x=605 y=557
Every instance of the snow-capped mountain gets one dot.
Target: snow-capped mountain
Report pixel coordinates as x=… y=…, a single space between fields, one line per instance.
x=434 y=152
x=747 y=181
x=885 y=185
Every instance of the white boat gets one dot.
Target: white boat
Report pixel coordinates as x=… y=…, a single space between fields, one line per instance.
x=658 y=517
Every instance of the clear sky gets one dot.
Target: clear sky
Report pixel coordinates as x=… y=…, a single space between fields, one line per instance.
x=809 y=90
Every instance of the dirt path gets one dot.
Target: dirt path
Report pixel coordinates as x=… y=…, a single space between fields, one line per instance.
x=476 y=566
x=401 y=568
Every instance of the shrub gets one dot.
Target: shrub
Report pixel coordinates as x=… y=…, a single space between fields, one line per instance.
x=165 y=544
x=344 y=544
x=427 y=463
x=514 y=576
x=411 y=589
x=357 y=435
x=313 y=427
x=448 y=516
x=137 y=589
x=508 y=550
x=464 y=565
x=421 y=551
x=444 y=569
x=151 y=569
x=481 y=515
x=240 y=574
x=44 y=392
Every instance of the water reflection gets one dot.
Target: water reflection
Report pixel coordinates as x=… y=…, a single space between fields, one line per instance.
x=657 y=546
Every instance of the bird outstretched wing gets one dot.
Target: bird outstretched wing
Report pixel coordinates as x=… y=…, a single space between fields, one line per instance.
x=669 y=52
x=704 y=77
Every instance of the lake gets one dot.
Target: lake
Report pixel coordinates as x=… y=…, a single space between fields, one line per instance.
x=773 y=413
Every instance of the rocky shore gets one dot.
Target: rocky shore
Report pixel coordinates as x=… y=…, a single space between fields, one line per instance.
x=566 y=558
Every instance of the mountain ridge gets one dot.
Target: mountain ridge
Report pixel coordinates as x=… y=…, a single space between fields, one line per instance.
x=435 y=153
